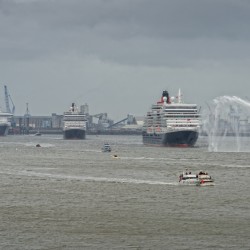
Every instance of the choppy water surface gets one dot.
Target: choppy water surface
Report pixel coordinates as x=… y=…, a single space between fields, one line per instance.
x=70 y=195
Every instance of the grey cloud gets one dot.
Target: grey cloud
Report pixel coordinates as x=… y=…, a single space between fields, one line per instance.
x=145 y=32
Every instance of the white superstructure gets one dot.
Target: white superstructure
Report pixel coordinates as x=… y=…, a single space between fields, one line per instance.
x=74 y=123
x=171 y=122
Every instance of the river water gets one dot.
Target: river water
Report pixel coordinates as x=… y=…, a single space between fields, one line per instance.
x=70 y=195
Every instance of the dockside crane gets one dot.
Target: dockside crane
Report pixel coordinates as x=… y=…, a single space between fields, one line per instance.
x=7 y=104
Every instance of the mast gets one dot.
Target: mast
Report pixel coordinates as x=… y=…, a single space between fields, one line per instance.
x=179 y=96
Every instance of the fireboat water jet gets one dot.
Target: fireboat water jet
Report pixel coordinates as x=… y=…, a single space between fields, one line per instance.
x=227 y=124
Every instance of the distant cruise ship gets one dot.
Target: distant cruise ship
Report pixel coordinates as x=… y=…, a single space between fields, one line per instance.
x=171 y=123
x=4 y=123
x=74 y=126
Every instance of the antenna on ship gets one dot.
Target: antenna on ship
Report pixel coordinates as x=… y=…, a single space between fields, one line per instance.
x=179 y=96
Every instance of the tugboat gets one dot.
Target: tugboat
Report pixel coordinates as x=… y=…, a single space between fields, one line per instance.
x=106 y=148
x=187 y=178
x=171 y=122
x=205 y=179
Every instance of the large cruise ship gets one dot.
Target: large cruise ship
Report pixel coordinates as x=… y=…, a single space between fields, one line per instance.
x=171 y=122
x=74 y=123
x=4 y=122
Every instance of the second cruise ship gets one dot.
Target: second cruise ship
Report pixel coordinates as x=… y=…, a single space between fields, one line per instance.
x=74 y=123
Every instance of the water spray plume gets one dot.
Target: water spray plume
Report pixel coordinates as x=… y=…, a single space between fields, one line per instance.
x=227 y=124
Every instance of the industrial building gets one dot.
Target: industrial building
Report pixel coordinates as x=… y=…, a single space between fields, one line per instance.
x=97 y=123
x=29 y=124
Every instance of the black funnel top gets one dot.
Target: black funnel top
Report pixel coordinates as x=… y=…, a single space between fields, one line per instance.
x=165 y=93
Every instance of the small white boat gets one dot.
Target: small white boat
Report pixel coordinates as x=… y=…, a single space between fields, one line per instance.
x=187 y=178
x=205 y=179
x=38 y=133
x=106 y=148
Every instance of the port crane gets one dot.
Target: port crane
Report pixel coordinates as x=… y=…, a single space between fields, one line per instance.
x=130 y=120
x=7 y=104
x=103 y=120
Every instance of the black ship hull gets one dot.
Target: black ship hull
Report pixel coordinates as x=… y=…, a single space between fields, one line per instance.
x=4 y=130
x=74 y=134
x=171 y=139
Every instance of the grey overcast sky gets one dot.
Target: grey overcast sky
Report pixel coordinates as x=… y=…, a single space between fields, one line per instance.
x=118 y=55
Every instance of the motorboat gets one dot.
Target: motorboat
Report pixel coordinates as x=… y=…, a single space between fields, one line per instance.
x=38 y=133
x=106 y=147
x=205 y=179
x=187 y=178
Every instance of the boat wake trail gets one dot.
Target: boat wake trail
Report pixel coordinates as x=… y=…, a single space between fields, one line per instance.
x=44 y=145
x=137 y=158
x=30 y=173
